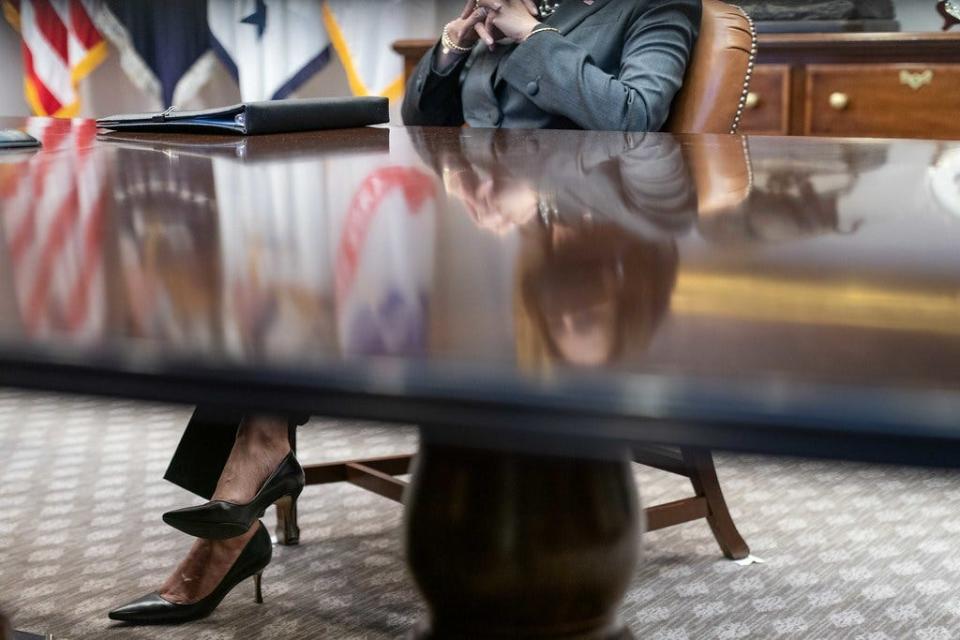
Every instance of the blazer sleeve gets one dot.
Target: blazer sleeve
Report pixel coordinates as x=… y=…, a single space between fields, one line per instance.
x=561 y=77
x=433 y=98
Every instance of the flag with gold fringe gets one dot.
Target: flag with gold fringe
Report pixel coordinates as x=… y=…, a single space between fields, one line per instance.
x=61 y=46
x=363 y=30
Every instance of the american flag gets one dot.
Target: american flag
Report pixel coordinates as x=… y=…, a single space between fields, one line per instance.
x=52 y=216
x=61 y=46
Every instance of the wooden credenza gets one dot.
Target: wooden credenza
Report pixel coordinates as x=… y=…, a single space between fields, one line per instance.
x=892 y=85
x=869 y=84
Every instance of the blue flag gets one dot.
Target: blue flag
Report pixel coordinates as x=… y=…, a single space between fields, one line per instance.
x=162 y=44
x=272 y=47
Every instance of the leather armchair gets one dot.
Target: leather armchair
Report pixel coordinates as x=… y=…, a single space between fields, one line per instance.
x=718 y=78
x=712 y=101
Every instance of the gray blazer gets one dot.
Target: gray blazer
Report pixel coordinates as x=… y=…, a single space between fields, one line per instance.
x=615 y=65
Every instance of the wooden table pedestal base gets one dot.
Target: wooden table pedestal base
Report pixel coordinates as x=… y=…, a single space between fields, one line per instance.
x=509 y=545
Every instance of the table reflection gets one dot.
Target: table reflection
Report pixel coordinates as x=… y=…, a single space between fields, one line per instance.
x=228 y=246
x=945 y=180
x=54 y=229
x=167 y=247
x=527 y=251
x=792 y=194
x=596 y=258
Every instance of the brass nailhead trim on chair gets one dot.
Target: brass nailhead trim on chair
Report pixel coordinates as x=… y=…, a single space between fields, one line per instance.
x=746 y=82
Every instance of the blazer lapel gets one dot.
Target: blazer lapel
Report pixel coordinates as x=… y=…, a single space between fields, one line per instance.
x=482 y=78
x=572 y=12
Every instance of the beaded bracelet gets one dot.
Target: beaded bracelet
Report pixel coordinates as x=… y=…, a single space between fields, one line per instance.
x=449 y=45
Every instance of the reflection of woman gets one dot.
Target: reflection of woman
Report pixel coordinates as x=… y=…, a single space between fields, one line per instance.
x=638 y=182
x=587 y=294
x=597 y=222
x=564 y=64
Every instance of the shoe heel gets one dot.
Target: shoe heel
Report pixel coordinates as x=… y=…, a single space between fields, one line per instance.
x=288 y=531
x=258 y=587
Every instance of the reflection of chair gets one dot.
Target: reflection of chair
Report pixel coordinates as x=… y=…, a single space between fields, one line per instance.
x=711 y=101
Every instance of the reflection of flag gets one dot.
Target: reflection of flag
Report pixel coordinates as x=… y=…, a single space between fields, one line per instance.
x=271 y=46
x=384 y=260
x=164 y=46
x=362 y=31
x=274 y=239
x=61 y=46
x=53 y=225
x=167 y=243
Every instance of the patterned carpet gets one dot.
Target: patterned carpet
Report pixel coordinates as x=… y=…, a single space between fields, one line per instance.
x=853 y=552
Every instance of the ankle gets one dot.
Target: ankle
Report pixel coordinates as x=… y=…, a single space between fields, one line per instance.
x=261 y=445
x=263 y=435
x=204 y=568
x=232 y=547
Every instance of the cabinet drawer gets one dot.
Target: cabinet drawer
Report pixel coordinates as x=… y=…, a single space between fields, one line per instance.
x=768 y=105
x=896 y=101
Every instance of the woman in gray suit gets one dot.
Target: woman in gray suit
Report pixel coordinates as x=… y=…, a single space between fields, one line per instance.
x=568 y=64
x=534 y=64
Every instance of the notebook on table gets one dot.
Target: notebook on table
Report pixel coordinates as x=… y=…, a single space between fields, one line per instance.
x=258 y=118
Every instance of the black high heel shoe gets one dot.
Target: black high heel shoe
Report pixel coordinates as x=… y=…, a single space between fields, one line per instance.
x=220 y=520
x=152 y=609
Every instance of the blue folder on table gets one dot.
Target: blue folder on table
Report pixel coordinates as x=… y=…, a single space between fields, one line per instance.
x=258 y=118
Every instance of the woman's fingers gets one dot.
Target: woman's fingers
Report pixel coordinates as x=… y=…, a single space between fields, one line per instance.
x=478 y=16
x=492 y=5
x=486 y=194
x=463 y=30
x=532 y=8
x=484 y=34
x=497 y=5
x=488 y=24
x=483 y=26
x=470 y=7
x=475 y=18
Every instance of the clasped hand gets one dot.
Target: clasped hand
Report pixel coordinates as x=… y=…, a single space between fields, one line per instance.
x=498 y=203
x=494 y=20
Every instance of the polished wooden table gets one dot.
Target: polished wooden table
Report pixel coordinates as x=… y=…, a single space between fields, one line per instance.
x=537 y=302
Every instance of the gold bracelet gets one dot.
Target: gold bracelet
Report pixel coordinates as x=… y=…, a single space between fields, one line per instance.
x=449 y=45
x=540 y=30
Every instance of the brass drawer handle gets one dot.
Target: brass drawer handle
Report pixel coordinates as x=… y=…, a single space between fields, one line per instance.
x=753 y=101
x=839 y=101
x=916 y=80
